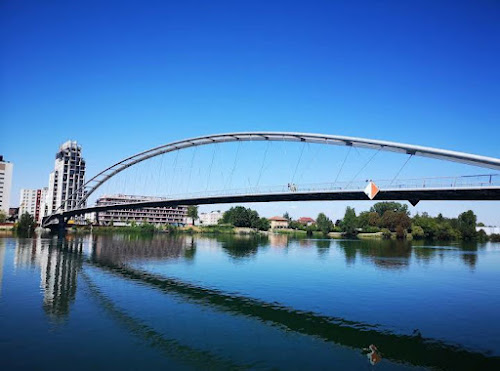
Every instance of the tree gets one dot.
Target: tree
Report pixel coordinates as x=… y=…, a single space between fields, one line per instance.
x=368 y=219
x=26 y=225
x=287 y=217
x=324 y=224
x=394 y=219
x=241 y=217
x=192 y=212
x=467 y=225
x=350 y=223
x=3 y=216
x=417 y=232
x=263 y=224
x=381 y=207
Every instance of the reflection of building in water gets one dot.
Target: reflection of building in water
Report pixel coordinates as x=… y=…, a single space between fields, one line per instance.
x=278 y=240
x=2 y=254
x=59 y=265
x=118 y=249
x=154 y=215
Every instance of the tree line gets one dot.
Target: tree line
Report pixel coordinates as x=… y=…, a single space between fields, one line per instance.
x=393 y=219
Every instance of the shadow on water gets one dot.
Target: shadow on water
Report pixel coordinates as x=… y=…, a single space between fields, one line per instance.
x=400 y=348
x=64 y=259
x=170 y=347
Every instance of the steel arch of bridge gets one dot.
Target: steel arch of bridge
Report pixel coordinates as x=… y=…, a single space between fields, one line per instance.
x=466 y=158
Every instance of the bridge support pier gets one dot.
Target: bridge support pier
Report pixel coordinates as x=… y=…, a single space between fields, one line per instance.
x=61 y=226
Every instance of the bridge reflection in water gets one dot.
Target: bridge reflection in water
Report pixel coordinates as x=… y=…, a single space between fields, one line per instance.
x=69 y=263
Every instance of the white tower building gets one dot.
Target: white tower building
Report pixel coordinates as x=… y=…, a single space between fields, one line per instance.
x=5 y=184
x=67 y=177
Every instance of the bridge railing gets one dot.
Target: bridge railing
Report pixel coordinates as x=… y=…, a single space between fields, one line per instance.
x=488 y=180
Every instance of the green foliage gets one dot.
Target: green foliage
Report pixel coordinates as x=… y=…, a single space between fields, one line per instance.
x=350 y=223
x=368 y=219
x=324 y=224
x=495 y=237
x=287 y=217
x=147 y=228
x=401 y=232
x=417 y=232
x=192 y=212
x=3 y=216
x=263 y=224
x=26 y=225
x=241 y=217
x=381 y=207
x=482 y=236
x=393 y=220
x=386 y=234
x=467 y=225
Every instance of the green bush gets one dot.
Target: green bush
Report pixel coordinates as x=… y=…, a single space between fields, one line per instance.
x=417 y=232
x=495 y=237
x=386 y=234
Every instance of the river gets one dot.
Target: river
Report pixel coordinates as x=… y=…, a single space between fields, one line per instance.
x=247 y=302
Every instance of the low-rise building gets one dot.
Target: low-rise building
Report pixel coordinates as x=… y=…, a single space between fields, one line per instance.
x=305 y=220
x=210 y=218
x=175 y=216
x=278 y=222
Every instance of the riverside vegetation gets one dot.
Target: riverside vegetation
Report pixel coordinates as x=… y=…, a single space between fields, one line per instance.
x=386 y=220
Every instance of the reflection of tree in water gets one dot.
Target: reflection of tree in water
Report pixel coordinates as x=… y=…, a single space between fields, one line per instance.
x=241 y=247
x=350 y=253
x=384 y=254
x=469 y=255
x=422 y=253
x=122 y=248
x=396 y=254
x=323 y=247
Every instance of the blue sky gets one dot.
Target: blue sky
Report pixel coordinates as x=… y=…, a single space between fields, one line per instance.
x=123 y=76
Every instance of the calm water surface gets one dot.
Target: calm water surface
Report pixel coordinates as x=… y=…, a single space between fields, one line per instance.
x=183 y=302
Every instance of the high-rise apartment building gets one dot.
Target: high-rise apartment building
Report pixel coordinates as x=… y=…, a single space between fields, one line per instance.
x=32 y=202
x=67 y=179
x=5 y=184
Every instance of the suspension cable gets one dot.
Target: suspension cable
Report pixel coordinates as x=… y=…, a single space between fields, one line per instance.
x=365 y=165
x=234 y=166
x=342 y=166
x=408 y=159
x=263 y=163
x=210 y=169
x=298 y=162
x=191 y=169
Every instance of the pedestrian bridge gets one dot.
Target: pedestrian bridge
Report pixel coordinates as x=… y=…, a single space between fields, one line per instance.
x=469 y=187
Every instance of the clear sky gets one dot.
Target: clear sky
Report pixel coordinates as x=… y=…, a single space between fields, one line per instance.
x=123 y=76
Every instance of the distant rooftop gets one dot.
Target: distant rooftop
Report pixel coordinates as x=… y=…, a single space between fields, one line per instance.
x=278 y=219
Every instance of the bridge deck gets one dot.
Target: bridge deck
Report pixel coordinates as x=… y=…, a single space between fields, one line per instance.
x=412 y=195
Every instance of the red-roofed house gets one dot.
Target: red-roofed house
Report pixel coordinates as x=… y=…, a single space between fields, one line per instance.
x=306 y=220
x=278 y=222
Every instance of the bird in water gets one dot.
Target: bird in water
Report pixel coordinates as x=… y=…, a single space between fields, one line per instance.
x=373 y=355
